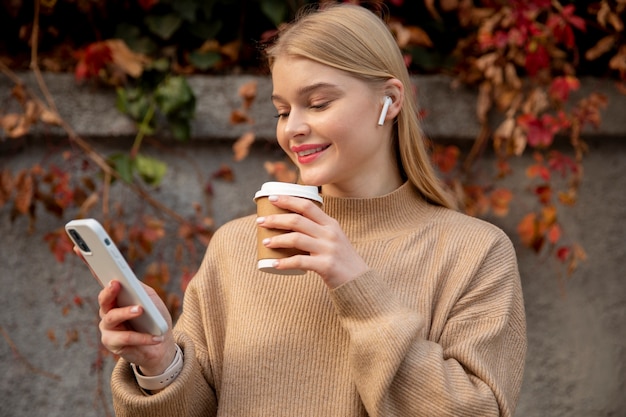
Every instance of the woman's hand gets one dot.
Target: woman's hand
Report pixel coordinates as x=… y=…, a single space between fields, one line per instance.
x=331 y=254
x=153 y=354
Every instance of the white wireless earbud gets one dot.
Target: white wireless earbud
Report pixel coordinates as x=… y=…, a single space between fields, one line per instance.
x=383 y=113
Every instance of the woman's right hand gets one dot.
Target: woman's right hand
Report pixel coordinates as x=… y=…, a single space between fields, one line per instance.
x=153 y=354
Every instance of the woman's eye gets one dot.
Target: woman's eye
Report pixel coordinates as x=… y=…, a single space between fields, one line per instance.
x=281 y=115
x=319 y=106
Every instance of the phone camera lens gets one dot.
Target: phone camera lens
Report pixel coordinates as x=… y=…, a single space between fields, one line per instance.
x=79 y=241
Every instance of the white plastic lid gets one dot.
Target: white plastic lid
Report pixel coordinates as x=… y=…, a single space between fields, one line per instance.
x=266 y=265
x=284 y=188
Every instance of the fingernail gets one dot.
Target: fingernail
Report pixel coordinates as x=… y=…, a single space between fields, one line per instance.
x=275 y=264
x=158 y=338
x=273 y=198
x=134 y=309
x=265 y=241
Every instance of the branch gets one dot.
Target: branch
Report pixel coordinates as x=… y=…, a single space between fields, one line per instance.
x=25 y=361
x=98 y=159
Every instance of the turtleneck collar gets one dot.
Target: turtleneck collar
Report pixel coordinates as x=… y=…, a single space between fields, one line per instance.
x=371 y=218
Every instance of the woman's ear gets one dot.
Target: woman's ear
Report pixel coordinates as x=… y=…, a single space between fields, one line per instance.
x=394 y=89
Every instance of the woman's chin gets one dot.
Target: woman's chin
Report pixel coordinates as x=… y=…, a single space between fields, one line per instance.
x=310 y=180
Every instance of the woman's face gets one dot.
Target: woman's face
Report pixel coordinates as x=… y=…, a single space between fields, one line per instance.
x=327 y=124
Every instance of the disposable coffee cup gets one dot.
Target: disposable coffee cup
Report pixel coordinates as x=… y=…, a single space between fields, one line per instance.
x=267 y=256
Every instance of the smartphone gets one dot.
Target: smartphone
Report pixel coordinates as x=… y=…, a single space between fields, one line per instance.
x=107 y=264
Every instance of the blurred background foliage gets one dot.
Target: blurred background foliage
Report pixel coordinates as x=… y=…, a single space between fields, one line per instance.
x=223 y=36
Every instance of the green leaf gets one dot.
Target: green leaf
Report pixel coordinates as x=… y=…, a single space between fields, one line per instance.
x=173 y=94
x=186 y=9
x=275 y=10
x=143 y=45
x=160 y=65
x=205 y=30
x=180 y=128
x=207 y=8
x=164 y=26
x=123 y=164
x=204 y=60
x=131 y=34
x=133 y=102
x=151 y=170
x=121 y=101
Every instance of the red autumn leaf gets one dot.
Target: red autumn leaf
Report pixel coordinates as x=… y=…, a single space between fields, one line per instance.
x=71 y=337
x=92 y=59
x=225 y=173
x=561 y=25
x=554 y=233
x=475 y=201
x=588 y=109
x=157 y=276
x=248 y=92
x=173 y=304
x=152 y=231
x=537 y=58
x=578 y=254
x=548 y=215
x=446 y=158
x=562 y=164
x=6 y=186
x=52 y=336
x=185 y=279
x=78 y=301
x=527 y=230
x=538 y=170
x=569 y=197
x=544 y=193
x=561 y=31
x=147 y=4
x=25 y=188
x=208 y=188
x=238 y=117
x=143 y=237
x=241 y=147
x=562 y=86
x=59 y=244
x=504 y=168
x=540 y=131
x=563 y=253
x=281 y=171
x=500 y=200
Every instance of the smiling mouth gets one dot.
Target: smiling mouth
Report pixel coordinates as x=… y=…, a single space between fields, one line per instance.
x=312 y=151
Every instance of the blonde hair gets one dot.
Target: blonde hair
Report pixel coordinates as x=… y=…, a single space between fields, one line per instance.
x=355 y=40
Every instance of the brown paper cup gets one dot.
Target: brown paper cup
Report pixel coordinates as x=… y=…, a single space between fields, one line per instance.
x=267 y=256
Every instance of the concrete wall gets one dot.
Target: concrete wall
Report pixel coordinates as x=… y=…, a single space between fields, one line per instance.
x=576 y=326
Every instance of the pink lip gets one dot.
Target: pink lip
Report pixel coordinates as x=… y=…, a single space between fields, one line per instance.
x=309 y=152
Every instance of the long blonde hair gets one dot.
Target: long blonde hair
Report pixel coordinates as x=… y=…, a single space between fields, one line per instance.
x=353 y=39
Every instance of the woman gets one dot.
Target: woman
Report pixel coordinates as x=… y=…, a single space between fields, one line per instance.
x=409 y=308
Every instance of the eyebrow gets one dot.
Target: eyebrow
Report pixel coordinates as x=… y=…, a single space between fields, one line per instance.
x=308 y=89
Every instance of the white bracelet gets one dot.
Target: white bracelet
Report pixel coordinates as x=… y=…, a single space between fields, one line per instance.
x=160 y=381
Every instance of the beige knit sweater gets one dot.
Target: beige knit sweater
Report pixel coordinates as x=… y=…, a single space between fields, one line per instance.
x=436 y=327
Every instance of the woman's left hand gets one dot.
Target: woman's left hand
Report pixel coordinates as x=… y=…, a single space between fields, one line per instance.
x=331 y=254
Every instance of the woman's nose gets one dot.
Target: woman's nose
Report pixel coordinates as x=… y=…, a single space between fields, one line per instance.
x=296 y=125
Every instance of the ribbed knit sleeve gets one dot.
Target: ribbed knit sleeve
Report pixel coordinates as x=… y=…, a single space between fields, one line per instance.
x=462 y=355
x=189 y=395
